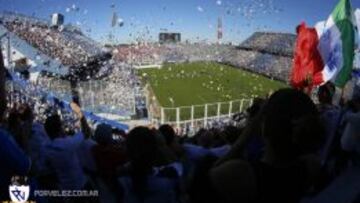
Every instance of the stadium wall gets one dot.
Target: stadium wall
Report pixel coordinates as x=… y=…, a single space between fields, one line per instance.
x=209 y=113
x=139 y=67
x=152 y=104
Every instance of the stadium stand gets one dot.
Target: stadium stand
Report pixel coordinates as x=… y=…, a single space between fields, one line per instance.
x=266 y=53
x=274 y=63
x=71 y=48
x=85 y=58
x=273 y=156
x=274 y=66
x=272 y=43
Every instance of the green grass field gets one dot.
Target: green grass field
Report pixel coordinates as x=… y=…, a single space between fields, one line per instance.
x=196 y=83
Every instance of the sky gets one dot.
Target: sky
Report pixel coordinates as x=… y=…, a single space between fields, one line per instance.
x=196 y=20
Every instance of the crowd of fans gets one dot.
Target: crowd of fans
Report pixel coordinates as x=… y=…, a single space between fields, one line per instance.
x=139 y=54
x=71 y=48
x=114 y=93
x=154 y=53
x=272 y=43
x=272 y=58
x=112 y=90
x=264 y=53
x=273 y=66
x=116 y=90
x=287 y=150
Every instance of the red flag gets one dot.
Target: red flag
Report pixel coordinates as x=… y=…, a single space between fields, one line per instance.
x=307 y=64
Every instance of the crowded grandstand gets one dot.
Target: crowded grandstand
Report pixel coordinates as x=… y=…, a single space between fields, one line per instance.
x=109 y=78
x=87 y=122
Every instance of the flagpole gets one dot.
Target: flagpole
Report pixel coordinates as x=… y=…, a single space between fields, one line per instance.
x=342 y=99
x=337 y=96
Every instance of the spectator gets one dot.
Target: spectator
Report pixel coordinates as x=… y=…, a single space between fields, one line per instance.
x=145 y=182
x=347 y=182
x=36 y=141
x=172 y=140
x=331 y=118
x=231 y=134
x=115 y=154
x=13 y=126
x=350 y=140
x=291 y=131
x=62 y=151
x=13 y=159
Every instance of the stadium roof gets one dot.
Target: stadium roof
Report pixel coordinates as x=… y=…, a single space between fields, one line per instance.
x=270 y=42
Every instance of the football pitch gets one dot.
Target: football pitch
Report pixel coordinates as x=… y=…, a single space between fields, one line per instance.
x=187 y=84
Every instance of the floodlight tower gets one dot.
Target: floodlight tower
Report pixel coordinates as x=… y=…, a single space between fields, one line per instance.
x=219 y=30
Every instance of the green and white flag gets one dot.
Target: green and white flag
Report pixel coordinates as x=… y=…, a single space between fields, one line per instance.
x=337 y=44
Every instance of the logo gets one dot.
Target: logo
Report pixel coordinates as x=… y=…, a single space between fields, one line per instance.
x=19 y=191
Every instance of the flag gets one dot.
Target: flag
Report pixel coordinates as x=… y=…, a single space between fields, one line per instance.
x=307 y=64
x=357 y=20
x=326 y=52
x=320 y=27
x=337 y=43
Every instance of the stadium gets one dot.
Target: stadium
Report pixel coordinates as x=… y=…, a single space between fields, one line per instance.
x=130 y=82
x=162 y=106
